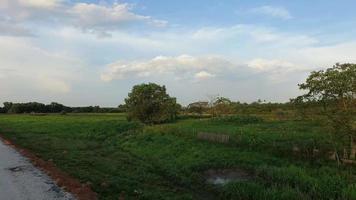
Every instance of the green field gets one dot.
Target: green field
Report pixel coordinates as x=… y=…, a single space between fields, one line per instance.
x=168 y=161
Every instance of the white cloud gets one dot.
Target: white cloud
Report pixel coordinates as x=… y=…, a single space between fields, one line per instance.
x=271 y=65
x=29 y=11
x=183 y=66
x=158 y=22
x=52 y=84
x=8 y=28
x=193 y=68
x=103 y=18
x=327 y=55
x=35 y=69
x=48 y=4
x=100 y=19
x=273 y=11
x=203 y=75
x=254 y=33
x=275 y=70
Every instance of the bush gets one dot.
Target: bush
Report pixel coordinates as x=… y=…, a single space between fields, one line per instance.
x=63 y=112
x=281 y=114
x=237 y=119
x=194 y=116
x=150 y=104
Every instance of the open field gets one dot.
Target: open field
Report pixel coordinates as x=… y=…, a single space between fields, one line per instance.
x=279 y=159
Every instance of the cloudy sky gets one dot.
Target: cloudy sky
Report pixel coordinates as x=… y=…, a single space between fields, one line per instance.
x=92 y=52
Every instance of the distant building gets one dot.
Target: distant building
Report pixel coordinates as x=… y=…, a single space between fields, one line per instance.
x=199 y=104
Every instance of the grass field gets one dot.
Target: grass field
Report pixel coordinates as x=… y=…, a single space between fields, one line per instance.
x=168 y=161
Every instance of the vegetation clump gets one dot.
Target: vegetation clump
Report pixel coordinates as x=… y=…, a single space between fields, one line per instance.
x=237 y=119
x=150 y=104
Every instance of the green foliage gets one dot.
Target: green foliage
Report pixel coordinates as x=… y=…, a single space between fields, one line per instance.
x=316 y=184
x=255 y=191
x=242 y=190
x=335 y=89
x=199 y=107
x=151 y=104
x=349 y=193
x=237 y=119
x=336 y=83
x=35 y=107
x=222 y=106
x=193 y=116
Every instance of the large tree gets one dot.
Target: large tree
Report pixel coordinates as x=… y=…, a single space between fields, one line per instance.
x=335 y=89
x=151 y=104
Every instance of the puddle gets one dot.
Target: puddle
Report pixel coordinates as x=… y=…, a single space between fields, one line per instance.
x=224 y=176
x=18 y=168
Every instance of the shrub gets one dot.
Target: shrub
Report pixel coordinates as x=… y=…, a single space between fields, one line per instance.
x=237 y=119
x=194 y=116
x=150 y=104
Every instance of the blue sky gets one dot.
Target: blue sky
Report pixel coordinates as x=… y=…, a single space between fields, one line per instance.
x=93 y=52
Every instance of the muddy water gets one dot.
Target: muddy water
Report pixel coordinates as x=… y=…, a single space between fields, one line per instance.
x=224 y=176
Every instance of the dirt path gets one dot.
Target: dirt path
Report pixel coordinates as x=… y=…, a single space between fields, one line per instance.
x=20 y=180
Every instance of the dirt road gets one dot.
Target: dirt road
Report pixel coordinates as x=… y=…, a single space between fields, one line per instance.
x=20 y=180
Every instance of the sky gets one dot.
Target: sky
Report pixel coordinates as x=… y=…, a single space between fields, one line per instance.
x=92 y=52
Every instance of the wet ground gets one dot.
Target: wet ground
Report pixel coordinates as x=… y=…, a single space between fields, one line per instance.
x=224 y=176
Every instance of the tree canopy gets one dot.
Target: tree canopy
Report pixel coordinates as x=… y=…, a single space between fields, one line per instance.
x=336 y=83
x=335 y=89
x=150 y=104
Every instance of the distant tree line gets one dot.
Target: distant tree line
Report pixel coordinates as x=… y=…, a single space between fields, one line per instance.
x=224 y=106
x=35 y=107
x=220 y=106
